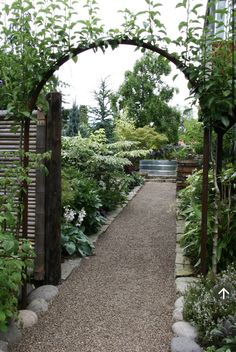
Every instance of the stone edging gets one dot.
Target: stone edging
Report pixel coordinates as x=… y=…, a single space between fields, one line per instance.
x=41 y=297
x=185 y=334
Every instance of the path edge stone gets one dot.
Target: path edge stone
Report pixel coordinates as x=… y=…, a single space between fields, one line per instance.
x=183 y=278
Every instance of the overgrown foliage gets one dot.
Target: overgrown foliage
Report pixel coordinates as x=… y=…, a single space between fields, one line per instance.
x=209 y=312
x=15 y=258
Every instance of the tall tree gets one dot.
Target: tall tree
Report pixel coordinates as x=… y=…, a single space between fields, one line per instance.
x=72 y=127
x=145 y=96
x=75 y=120
x=102 y=114
x=83 y=121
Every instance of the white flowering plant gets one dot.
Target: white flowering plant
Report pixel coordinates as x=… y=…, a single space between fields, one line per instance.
x=81 y=200
x=72 y=216
x=206 y=309
x=73 y=239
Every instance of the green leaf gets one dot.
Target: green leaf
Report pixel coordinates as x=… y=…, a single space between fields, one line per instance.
x=194 y=9
x=2 y=316
x=75 y=58
x=180 y=4
x=70 y=247
x=175 y=76
x=182 y=25
x=8 y=245
x=225 y=121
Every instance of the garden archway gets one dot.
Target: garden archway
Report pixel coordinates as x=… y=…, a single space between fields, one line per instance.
x=185 y=69
x=182 y=65
x=52 y=273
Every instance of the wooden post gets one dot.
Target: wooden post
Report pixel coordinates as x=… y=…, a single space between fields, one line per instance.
x=205 y=190
x=39 y=267
x=53 y=191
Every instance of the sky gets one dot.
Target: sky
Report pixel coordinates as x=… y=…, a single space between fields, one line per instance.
x=84 y=76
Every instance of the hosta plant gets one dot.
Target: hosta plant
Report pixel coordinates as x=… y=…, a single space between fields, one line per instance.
x=75 y=242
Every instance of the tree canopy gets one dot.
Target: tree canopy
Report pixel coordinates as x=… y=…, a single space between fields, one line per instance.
x=147 y=137
x=146 y=97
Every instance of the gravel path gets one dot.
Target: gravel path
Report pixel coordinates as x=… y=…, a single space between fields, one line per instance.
x=120 y=300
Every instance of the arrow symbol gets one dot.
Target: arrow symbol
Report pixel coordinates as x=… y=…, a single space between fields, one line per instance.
x=224 y=292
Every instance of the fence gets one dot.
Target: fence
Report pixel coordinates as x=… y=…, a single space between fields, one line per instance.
x=44 y=192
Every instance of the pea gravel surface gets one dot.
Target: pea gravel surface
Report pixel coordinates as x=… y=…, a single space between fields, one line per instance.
x=122 y=298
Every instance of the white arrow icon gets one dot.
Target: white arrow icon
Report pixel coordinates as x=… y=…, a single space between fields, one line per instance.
x=224 y=292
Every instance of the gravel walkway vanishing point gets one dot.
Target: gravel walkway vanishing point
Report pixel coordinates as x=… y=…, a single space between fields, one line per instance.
x=121 y=299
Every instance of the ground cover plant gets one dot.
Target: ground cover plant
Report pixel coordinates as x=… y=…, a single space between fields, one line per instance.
x=214 y=317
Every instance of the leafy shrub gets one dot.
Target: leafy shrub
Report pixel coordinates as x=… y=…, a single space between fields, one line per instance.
x=93 y=182
x=79 y=192
x=15 y=257
x=113 y=190
x=134 y=180
x=182 y=153
x=190 y=208
x=102 y=165
x=205 y=309
x=74 y=241
x=147 y=136
x=192 y=135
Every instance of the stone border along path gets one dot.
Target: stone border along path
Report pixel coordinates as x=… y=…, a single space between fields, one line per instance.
x=122 y=298
x=185 y=334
